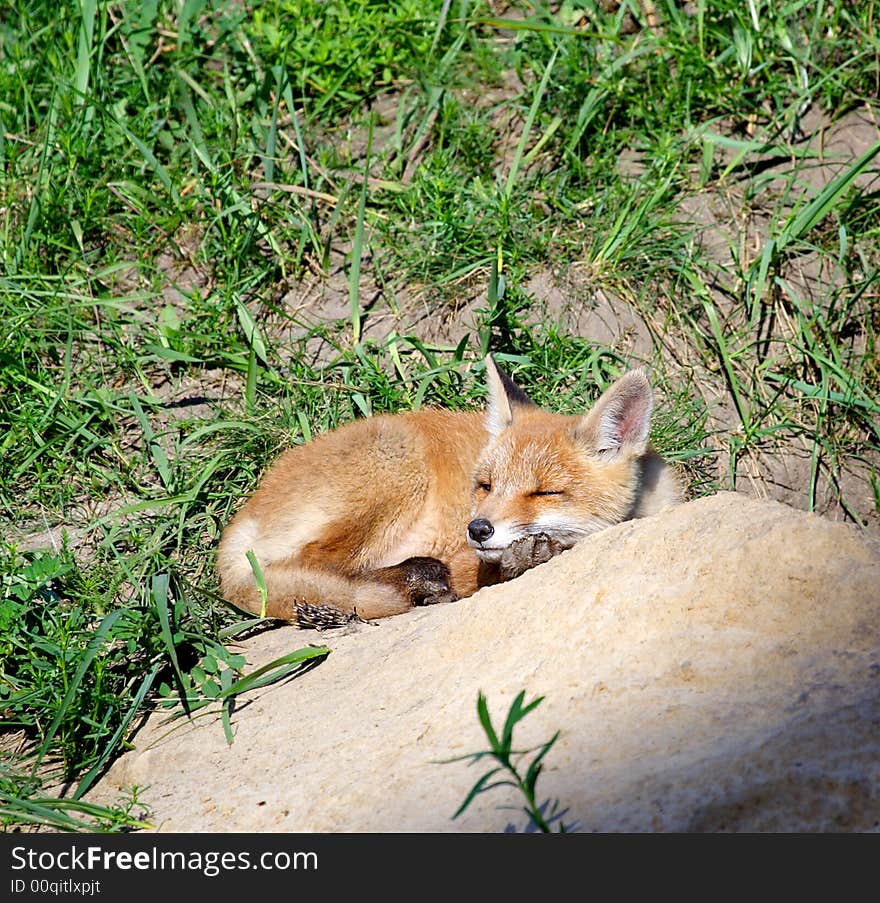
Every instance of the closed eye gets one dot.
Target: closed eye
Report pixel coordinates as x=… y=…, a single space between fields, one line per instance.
x=538 y=492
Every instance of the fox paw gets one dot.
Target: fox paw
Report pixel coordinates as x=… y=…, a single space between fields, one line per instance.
x=424 y=580
x=527 y=552
x=322 y=617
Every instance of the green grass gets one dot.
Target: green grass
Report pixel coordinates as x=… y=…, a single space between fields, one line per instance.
x=177 y=181
x=507 y=772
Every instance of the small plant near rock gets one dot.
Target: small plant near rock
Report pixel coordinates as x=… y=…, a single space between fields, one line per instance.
x=542 y=816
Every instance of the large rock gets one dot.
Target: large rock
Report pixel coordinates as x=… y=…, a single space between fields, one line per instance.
x=716 y=667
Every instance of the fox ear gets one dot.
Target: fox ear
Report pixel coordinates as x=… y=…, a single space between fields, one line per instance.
x=621 y=418
x=504 y=397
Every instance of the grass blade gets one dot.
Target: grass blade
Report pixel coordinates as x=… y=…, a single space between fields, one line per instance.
x=259 y=579
x=84 y=45
x=482 y=786
x=527 y=128
x=354 y=274
x=274 y=670
x=486 y=721
x=159 y=593
x=822 y=205
x=160 y=459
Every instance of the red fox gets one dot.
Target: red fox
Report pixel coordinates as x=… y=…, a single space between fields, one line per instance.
x=427 y=506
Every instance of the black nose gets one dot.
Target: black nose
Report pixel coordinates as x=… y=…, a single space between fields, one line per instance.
x=479 y=529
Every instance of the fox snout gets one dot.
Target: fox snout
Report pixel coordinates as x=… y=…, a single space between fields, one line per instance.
x=480 y=529
x=489 y=541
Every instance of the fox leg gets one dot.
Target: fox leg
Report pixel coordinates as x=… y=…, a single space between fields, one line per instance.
x=326 y=597
x=423 y=580
x=468 y=573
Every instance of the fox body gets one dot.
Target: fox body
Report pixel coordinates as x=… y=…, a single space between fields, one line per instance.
x=427 y=506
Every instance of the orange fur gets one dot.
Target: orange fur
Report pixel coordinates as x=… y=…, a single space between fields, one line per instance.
x=352 y=520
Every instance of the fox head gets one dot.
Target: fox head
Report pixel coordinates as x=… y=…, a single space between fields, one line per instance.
x=545 y=473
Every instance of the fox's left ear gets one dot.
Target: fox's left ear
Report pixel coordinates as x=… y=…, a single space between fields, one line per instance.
x=620 y=420
x=504 y=397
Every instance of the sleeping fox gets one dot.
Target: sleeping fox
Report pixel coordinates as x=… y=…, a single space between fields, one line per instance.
x=427 y=506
